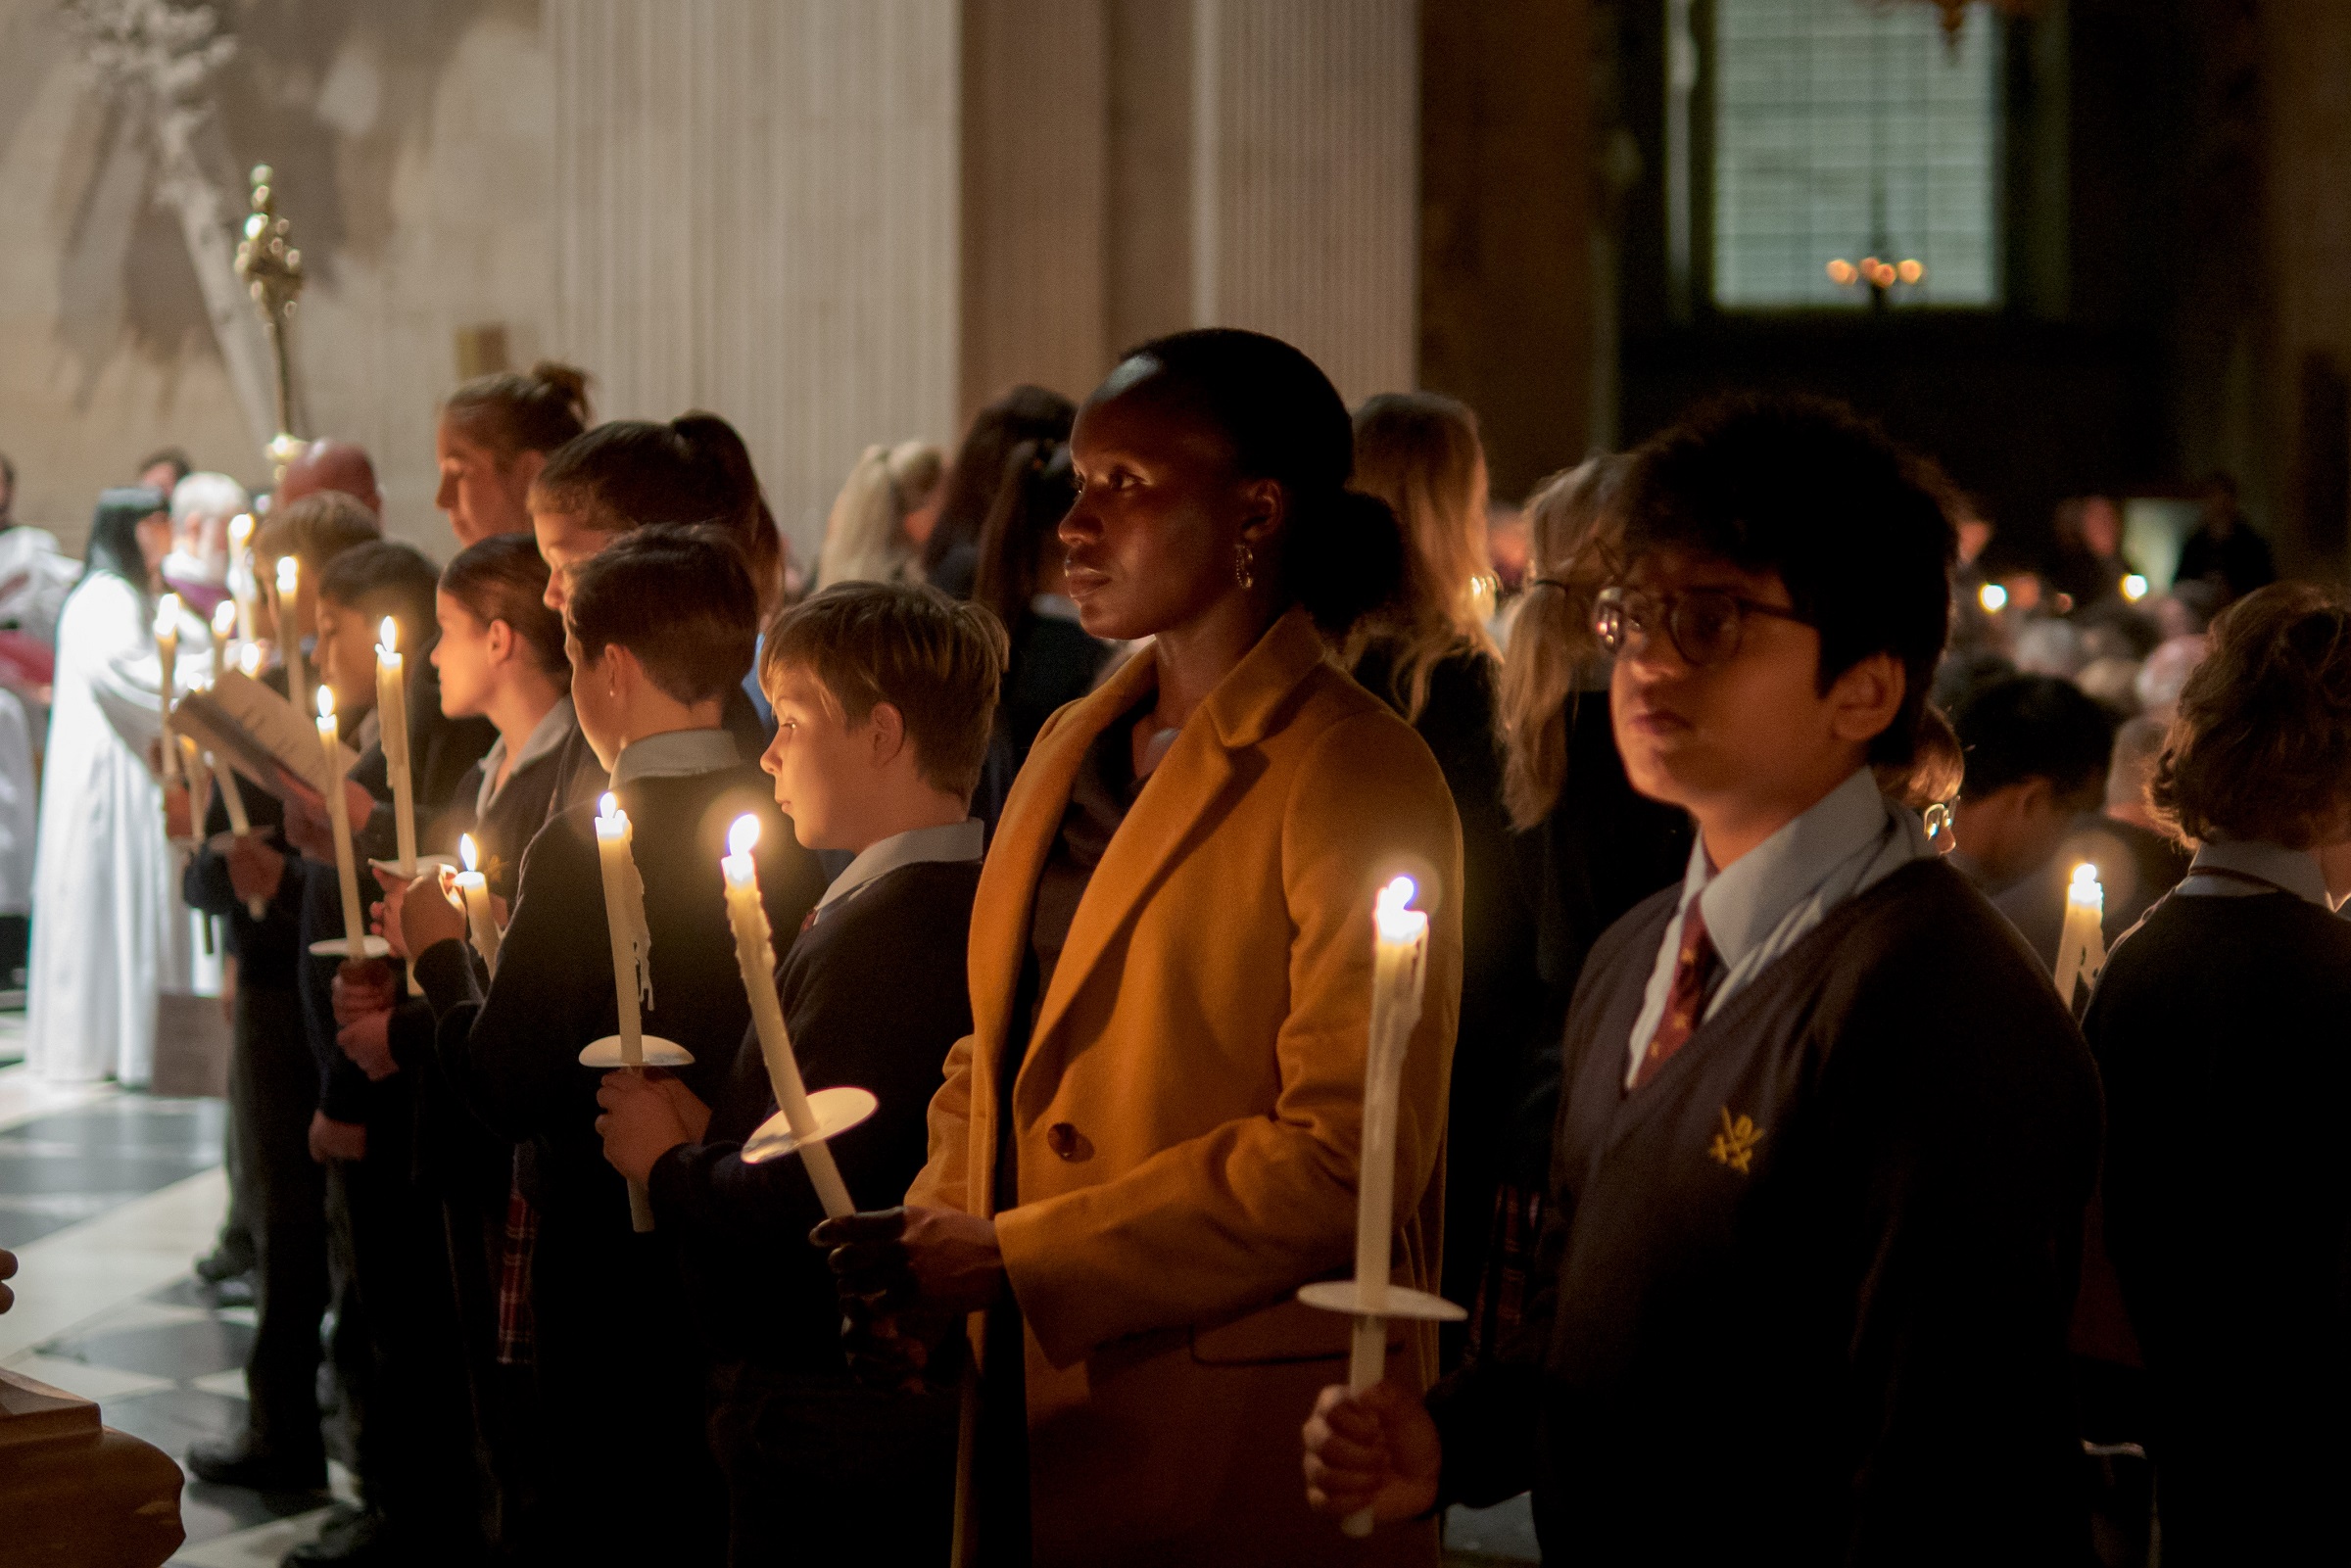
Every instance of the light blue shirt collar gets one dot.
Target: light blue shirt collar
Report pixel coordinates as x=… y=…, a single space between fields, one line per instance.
x=963 y=840
x=674 y=755
x=1775 y=895
x=2292 y=871
x=547 y=735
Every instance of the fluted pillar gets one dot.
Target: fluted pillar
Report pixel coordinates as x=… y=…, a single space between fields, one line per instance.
x=757 y=214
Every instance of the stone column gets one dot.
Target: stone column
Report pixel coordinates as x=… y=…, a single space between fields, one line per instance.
x=757 y=214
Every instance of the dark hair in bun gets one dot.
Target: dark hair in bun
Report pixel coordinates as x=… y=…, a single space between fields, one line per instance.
x=513 y=412
x=1342 y=553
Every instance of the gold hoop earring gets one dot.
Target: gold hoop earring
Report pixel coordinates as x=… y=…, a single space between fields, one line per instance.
x=1244 y=566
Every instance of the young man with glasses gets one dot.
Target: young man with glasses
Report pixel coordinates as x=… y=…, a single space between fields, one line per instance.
x=1825 y=1135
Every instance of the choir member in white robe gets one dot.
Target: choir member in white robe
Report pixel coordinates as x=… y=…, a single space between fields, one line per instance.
x=108 y=932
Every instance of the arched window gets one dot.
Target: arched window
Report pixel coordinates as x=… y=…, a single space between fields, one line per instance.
x=1848 y=132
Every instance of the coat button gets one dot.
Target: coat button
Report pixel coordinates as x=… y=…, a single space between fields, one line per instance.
x=1066 y=1141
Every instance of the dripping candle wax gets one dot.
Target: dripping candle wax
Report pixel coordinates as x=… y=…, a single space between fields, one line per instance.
x=1399 y=967
x=755 y=954
x=623 y=916
x=392 y=724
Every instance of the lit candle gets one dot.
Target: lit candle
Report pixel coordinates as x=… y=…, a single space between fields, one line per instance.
x=289 y=630
x=338 y=810
x=167 y=659
x=473 y=889
x=2082 y=944
x=224 y=627
x=392 y=713
x=632 y=947
x=240 y=544
x=1399 y=967
x=755 y=955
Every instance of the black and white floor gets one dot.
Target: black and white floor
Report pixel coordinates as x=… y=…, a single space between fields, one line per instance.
x=105 y=1197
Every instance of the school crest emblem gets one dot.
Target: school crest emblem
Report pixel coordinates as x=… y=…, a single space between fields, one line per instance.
x=1734 y=1146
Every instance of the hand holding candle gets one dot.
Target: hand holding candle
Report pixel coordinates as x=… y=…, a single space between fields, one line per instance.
x=347 y=868
x=624 y=918
x=755 y=954
x=1398 y=971
x=473 y=889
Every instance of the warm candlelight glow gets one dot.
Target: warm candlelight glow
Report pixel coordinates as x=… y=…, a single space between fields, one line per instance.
x=467 y=853
x=166 y=616
x=2085 y=888
x=746 y=833
x=1396 y=921
x=240 y=532
x=289 y=576
x=607 y=804
x=2135 y=588
x=224 y=619
x=249 y=658
x=1993 y=597
x=387 y=636
x=326 y=704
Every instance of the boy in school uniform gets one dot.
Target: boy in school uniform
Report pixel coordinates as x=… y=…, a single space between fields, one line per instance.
x=1825 y=1136
x=883 y=696
x=659 y=627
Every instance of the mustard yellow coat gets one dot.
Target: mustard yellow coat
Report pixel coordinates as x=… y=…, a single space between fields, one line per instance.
x=1188 y=1114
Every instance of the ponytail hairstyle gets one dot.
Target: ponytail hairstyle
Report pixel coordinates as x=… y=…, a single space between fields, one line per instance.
x=865 y=537
x=694 y=470
x=503 y=578
x=513 y=412
x=1039 y=490
x=1419 y=452
x=1342 y=554
x=1573 y=554
x=1025 y=413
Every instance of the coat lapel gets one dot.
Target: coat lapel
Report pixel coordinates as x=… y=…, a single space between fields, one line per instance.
x=1200 y=775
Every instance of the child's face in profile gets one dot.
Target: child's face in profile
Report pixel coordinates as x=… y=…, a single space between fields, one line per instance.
x=345 y=656
x=822 y=766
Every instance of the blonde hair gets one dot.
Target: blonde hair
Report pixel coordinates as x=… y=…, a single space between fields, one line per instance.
x=1419 y=452
x=1572 y=558
x=865 y=538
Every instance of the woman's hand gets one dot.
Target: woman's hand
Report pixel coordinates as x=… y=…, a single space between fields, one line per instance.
x=640 y=1123
x=895 y=1259
x=363 y=987
x=1376 y=1449
x=422 y=914
x=255 y=868
x=368 y=1041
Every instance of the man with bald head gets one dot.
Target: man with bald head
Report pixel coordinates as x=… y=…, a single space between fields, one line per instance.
x=330 y=464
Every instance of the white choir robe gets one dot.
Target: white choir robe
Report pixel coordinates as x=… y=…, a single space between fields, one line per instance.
x=109 y=929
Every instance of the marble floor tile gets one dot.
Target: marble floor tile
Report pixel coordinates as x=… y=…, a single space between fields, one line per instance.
x=73 y=1275
x=91 y=1382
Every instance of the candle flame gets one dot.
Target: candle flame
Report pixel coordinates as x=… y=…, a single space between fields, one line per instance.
x=2085 y=888
x=1993 y=597
x=387 y=636
x=289 y=574
x=744 y=835
x=166 y=616
x=240 y=530
x=249 y=658
x=2135 y=588
x=467 y=853
x=327 y=701
x=224 y=618
x=607 y=804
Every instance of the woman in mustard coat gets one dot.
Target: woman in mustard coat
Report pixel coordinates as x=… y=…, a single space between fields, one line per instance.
x=1149 y=1142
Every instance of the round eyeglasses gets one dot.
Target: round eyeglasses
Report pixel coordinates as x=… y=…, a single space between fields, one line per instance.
x=1703 y=624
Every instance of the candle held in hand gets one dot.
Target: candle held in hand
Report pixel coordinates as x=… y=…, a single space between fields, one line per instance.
x=239 y=824
x=241 y=572
x=624 y=919
x=2082 y=944
x=167 y=660
x=224 y=627
x=338 y=811
x=474 y=890
x=755 y=955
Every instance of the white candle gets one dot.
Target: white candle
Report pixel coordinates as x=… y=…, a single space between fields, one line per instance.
x=289 y=630
x=240 y=545
x=473 y=889
x=631 y=943
x=755 y=955
x=224 y=627
x=2082 y=944
x=1399 y=968
x=338 y=811
x=392 y=716
x=167 y=658
x=238 y=823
